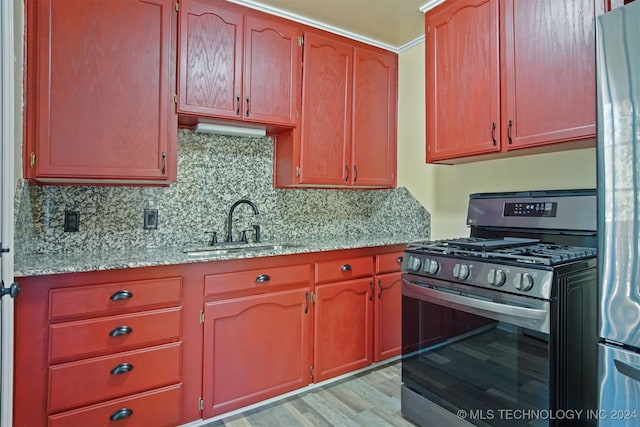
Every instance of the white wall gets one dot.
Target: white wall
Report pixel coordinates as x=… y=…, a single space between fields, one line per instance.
x=443 y=189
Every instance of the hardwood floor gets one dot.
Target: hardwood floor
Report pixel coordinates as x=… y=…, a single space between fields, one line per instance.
x=370 y=399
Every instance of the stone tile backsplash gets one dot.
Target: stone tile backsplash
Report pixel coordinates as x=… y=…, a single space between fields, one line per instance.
x=213 y=172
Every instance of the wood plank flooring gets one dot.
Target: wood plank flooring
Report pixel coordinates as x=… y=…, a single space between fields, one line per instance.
x=370 y=399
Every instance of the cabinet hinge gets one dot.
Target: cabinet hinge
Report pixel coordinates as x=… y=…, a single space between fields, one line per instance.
x=312 y=372
x=177 y=7
x=297 y=170
x=300 y=40
x=202 y=317
x=32 y=160
x=201 y=404
x=175 y=98
x=313 y=297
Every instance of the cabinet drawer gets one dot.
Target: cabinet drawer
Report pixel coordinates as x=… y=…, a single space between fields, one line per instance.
x=343 y=269
x=388 y=263
x=256 y=279
x=113 y=334
x=101 y=300
x=89 y=381
x=156 y=408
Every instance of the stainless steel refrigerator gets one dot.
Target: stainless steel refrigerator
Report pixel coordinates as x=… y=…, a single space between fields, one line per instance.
x=618 y=154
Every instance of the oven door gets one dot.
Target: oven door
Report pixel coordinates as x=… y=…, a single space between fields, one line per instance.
x=481 y=355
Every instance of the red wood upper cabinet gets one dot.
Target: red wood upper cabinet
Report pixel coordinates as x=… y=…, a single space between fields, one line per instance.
x=462 y=79
x=99 y=91
x=548 y=78
x=509 y=74
x=326 y=111
x=237 y=64
x=375 y=107
x=347 y=136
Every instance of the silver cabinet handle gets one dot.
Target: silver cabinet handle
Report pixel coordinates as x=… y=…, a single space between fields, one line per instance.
x=120 y=295
x=263 y=278
x=120 y=330
x=121 y=414
x=122 y=368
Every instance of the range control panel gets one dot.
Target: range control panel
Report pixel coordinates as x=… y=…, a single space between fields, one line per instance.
x=546 y=209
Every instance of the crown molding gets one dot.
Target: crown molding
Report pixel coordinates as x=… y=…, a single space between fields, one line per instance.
x=411 y=44
x=430 y=5
x=316 y=24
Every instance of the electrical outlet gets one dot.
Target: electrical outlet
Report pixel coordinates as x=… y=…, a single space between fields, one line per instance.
x=71 y=221
x=150 y=219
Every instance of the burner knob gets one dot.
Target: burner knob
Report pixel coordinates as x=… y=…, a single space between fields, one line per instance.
x=431 y=266
x=523 y=281
x=461 y=271
x=496 y=277
x=414 y=263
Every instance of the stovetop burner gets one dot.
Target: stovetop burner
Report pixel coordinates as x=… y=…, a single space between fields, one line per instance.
x=511 y=249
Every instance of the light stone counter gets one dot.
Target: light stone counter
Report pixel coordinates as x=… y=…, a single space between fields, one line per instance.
x=75 y=262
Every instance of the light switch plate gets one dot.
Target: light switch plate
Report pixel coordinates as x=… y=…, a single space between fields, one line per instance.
x=150 y=219
x=71 y=221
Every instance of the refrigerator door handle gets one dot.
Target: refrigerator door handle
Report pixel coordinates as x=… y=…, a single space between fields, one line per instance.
x=627 y=370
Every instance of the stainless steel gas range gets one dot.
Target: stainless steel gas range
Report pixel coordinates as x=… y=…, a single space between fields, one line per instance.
x=499 y=328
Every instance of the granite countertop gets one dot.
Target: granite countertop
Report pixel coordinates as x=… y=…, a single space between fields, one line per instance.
x=75 y=262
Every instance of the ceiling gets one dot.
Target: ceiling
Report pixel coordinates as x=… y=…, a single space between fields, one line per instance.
x=391 y=24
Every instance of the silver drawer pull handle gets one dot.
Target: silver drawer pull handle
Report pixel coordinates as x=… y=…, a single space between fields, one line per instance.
x=120 y=295
x=346 y=267
x=120 y=330
x=263 y=278
x=121 y=414
x=122 y=368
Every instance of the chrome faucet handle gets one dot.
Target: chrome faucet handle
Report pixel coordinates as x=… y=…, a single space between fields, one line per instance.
x=214 y=237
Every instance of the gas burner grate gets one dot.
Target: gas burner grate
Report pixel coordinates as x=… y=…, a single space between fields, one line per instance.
x=524 y=251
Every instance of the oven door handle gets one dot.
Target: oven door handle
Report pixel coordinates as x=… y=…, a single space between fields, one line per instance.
x=489 y=306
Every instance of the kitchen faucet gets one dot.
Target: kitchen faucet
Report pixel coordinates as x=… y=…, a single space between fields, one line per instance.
x=230 y=219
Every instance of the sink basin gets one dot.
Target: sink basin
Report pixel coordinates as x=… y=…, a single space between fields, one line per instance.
x=223 y=251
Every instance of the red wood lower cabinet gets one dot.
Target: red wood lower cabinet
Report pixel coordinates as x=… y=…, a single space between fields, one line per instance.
x=93 y=337
x=113 y=376
x=255 y=347
x=156 y=408
x=343 y=327
x=387 y=334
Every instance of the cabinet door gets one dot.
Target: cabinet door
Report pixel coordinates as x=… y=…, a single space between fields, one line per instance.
x=326 y=111
x=272 y=71
x=102 y=78
x=548 y=71
x=255 y=347
x=343 y=327
x=210 y=59
x=375 y=110
x=387 y=334
x=463 y=79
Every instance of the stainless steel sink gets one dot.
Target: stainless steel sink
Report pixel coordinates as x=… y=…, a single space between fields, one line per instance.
x=223 y=251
